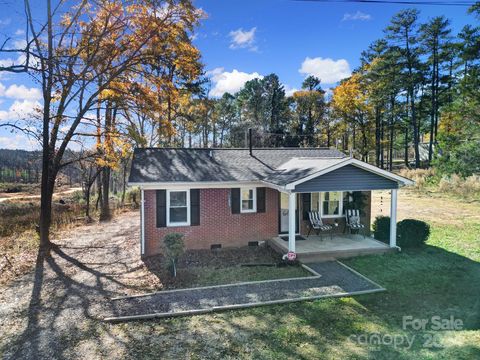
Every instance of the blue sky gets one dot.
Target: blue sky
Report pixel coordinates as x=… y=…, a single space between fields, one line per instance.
x=240 y=40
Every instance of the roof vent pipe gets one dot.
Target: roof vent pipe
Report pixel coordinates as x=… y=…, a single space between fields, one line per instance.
x=250 y=140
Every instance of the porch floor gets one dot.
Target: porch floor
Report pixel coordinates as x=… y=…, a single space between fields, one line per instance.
x=316 y=248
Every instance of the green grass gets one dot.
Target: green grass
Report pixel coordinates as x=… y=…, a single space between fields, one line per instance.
x=441 y=279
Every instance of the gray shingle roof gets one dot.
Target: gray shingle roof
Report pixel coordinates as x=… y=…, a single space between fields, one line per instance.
x=153 y=165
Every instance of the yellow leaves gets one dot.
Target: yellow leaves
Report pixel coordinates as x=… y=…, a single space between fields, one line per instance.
x=107 y=94
x=66 y=20
x=113 y=149
x=350 y=97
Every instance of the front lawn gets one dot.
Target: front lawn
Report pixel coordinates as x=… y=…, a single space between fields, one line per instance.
x=442 y=279
x=61 y=316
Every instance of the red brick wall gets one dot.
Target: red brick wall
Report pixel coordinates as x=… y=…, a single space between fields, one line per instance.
x=217 y=223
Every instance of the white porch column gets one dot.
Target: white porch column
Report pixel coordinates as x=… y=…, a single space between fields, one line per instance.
x=142 y=222
x=393 y=218
x=292 y=197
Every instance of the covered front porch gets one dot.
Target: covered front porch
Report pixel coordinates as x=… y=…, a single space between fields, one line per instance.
x=326 y=247
x=328 y=192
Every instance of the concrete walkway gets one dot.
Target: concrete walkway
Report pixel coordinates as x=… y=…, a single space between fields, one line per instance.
x=334 y=280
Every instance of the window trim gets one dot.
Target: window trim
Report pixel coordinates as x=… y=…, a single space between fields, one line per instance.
x=173 y=224
x=254 y=191
x=320 y=205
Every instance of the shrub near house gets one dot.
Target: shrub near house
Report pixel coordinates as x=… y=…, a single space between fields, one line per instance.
x=410 y=232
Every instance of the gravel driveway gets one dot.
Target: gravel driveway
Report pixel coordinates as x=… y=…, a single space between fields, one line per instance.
x=335 y=280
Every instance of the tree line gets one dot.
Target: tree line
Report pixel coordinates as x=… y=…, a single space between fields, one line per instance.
x=416 y=91
x=121 y=74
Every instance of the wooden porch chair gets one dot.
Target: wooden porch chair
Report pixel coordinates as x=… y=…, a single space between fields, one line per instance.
x=353 y=221
x=317 y=224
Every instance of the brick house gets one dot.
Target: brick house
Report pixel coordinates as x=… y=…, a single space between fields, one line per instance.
x=238 y=197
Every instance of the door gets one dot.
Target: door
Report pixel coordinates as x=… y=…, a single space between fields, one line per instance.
x=283 y=214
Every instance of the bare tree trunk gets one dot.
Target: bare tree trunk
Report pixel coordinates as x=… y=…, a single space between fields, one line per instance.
x=99 y=201
x=87 y=199
x=432 y=112
x=48 y=177
x=415 y=130
x=105 y=208
x=392 y=132
x=377 y=135
x=124 y=184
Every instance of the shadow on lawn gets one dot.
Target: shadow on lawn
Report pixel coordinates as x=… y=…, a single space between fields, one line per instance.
x=65 y=310
x=62 y=310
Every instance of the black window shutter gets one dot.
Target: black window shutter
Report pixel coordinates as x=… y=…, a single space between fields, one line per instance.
x=261 y=200
x=161 y=208
x=235 y=200
x=306 y=201
x=195 y=207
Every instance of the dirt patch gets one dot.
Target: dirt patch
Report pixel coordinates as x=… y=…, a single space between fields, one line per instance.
x=195 y=264
x=20 y=195
x=220 y=258
x=430 y=207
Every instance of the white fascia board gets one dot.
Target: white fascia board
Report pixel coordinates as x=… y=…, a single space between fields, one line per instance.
x=275 y=186
x=196 y=185
x=351 y=161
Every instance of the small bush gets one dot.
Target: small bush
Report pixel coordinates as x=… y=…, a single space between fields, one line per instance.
x=174 y=248
x=412 y=233
x=381 y=228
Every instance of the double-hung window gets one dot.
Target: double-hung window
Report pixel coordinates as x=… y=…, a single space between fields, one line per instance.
x=329 y=203
x=248 y=199
x=178 y=207
x=332 y=203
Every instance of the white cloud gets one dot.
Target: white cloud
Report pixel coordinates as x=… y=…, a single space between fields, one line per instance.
x=20 y=32
x=329 y=71
x=328 y=93
x=230 y=82
x=18 y=141
x=357 y=16
x=21 y=60
x=20 y=44
x=20 y=110
x=289 y=90
x=21 y=92
x=243 y=39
